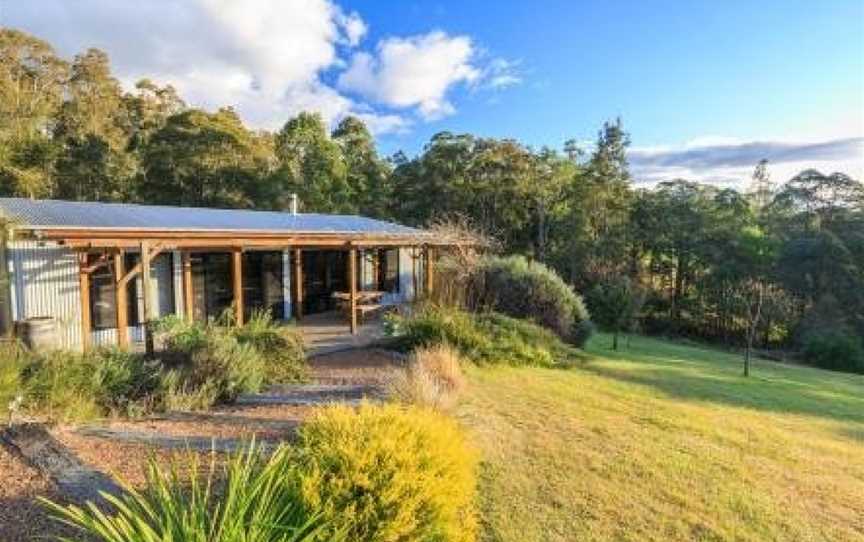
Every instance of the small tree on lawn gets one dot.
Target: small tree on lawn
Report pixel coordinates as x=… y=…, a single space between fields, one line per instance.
x=753 y=294
x=616 y=304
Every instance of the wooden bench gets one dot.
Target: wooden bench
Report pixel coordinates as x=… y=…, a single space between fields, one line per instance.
x=367 y=308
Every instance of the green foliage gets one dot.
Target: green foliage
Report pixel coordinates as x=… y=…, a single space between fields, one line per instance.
x=218 y=361
x=248 y=499
x=388 y=473
x=377 y=473
x=281 y=347
x=524 y=289
x=836 y=351
x=67 y=385
x=616 y=304
x=200 y=365
x=488 y=338
x=13 y=359
x=209 y=357
x=311 y=165
x=200 y=159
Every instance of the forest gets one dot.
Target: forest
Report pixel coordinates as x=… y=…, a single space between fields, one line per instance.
x=779 y=267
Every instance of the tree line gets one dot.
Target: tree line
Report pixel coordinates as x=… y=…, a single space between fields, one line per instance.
x=775 y=267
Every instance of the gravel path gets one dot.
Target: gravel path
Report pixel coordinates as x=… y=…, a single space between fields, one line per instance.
x=118 y=449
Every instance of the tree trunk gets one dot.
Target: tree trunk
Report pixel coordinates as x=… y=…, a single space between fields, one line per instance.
x=615 y=340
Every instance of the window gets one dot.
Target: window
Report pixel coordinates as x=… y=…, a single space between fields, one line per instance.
x=262 y=283
x=388 y=270
x=102 y=298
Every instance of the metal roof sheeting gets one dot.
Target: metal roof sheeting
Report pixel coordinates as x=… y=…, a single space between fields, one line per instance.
x=78 y=214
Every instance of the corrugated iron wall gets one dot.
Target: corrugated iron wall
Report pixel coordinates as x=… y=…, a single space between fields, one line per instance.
x=44 y=282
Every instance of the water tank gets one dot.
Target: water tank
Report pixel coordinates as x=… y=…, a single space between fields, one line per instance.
x=40 y=333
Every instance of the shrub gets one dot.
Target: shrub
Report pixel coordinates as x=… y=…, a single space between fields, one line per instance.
x=123 y=382
x=69 y=385
x=835 y=351
x=201 y=364
x=13 y=359
x=254 y=504
x=216 y=361
x=280 y=346
x=524 y=289
x=433 y=378
x=488 y=338
x=388 y=473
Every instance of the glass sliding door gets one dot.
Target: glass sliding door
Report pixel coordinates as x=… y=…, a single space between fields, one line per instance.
x=262 y=283
x=211 y=284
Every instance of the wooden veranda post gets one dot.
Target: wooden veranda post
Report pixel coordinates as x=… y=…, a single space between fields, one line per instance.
x=414 y=281
x=147 y=296
x=84 y=286
x=298 y=284
x=428 y=259
x=121 y=302
x=188 y=292
x=237 y=281
x=352 y=288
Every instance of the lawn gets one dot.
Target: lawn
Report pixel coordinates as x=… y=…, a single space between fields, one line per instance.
x=663 y=441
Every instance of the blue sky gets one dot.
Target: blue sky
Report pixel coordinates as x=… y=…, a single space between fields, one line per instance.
x=675 y=71
x=729 y=80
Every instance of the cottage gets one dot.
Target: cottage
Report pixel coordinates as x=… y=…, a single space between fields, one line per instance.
x=102 y=270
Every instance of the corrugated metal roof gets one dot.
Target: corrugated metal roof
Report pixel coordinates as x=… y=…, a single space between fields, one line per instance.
x=77 y=214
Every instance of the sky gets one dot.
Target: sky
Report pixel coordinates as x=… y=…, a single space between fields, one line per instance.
x=705 y=89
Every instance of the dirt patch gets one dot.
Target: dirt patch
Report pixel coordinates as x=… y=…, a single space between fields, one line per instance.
x=21 y=516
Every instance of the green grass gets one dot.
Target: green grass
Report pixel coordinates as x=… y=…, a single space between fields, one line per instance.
x=668 y=442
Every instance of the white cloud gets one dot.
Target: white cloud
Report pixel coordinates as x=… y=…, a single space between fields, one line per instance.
x=413 y=72
x=354 y=27
x=266 y=58
x=501 y=73
x=730 y=162
x=269 y=59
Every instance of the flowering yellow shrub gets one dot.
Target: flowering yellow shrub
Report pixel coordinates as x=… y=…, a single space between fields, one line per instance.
x=388 y=473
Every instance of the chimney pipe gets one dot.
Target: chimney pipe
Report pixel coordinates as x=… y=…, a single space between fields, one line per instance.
x=293 y=204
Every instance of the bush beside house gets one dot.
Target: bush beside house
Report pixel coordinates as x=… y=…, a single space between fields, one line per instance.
x=487 y=338
x=200 y=365
x=521 y=288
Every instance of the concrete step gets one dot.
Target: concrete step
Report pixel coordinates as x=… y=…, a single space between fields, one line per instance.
x=175 y=442
x=313 y=394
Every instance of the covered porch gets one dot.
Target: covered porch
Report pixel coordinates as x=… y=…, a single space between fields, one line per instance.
x=335 y=292
x=325 y=333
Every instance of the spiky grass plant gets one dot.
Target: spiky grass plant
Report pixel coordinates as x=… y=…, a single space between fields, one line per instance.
x=247 y=499
x=432 y=378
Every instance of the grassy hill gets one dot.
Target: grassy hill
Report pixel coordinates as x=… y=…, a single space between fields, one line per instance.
x=668 y=442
